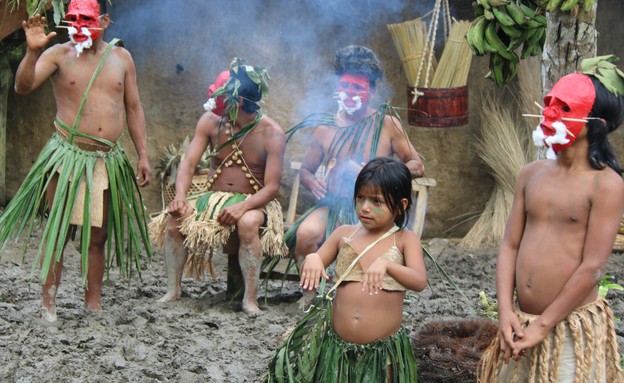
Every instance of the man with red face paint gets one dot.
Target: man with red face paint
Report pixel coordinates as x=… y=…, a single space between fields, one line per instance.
x=246 y=155
x=343 y=142
x=83 y=174
x=554 y=326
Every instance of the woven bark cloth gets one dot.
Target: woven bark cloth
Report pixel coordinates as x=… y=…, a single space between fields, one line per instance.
x=204 y=233
x=582 y=348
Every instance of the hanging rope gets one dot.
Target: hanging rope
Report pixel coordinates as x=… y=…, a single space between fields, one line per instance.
x=439 y=6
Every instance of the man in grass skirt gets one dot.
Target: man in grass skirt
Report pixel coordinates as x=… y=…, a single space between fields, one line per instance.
x=342 y=142
x=246 y=160
x=82 y=177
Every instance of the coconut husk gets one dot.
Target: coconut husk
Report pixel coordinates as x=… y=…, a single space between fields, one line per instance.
x=449 y=351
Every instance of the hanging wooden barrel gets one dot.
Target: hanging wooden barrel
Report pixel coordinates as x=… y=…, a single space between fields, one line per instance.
x=438 y=107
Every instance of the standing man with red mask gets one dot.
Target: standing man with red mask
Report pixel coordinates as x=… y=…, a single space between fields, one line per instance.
x=246 y=156
x=82 y=176
x=343 y=142
x=554 y=326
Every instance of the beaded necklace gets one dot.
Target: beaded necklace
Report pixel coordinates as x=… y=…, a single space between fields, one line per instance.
x=236 y=155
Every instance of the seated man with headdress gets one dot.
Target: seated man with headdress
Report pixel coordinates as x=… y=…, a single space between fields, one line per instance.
x=246 y=159
x=342 y=142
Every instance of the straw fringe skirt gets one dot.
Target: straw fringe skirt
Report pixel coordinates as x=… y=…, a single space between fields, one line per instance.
x=582 y=348
x=203 y=233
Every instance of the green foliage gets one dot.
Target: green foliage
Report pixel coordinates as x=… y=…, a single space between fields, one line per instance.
x=488 y=307
x=603 y=69
x=605 y=285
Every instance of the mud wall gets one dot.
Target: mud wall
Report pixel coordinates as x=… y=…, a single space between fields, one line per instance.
x=180 y=46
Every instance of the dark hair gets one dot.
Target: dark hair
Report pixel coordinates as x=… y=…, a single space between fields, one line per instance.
x=248 y=90
x=609 y=108
x=393 y=180
x=103 y=6
x=357 y=59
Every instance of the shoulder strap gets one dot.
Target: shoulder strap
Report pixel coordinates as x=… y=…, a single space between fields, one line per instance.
x=356 y=260
x=95 y=74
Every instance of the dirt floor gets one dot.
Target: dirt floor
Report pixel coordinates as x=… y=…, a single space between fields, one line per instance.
x=203 y=337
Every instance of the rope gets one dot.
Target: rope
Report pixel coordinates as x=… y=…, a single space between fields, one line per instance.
x=430 y=43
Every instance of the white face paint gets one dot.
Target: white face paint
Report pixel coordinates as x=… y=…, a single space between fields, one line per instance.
x=210 y=105
x=560 y=137
x=342 y=96
x=80 y=46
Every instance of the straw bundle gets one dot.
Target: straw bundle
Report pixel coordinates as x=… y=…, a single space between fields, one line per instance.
x=505 y=148
x=410 y=38
x=454 y=64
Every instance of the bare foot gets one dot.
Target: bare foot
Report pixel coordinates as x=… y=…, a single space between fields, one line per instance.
x=252 y=310
x=49 y=314
x=306 y=299
x=93 y=307
x=170 y=296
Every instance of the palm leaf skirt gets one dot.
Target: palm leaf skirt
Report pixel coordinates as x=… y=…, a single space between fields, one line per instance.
x=127 y=226
x=313 y=352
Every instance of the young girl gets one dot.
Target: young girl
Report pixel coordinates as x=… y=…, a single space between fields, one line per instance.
x=360 y=339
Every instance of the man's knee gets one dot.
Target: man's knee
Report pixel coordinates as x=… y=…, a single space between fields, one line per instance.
x=248 y=226
x=99 y=236
x=308 y=234
x=172 y=230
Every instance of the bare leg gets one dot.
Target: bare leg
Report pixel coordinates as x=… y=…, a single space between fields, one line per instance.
x=50 y=288
x=175 y=258
x=53 y=279
x=310 y=235
x=95 y=271
x=250 y=257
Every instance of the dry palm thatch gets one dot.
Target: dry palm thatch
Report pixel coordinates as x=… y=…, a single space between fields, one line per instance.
x=505 y=147
x=454 y=64
x=410 y=38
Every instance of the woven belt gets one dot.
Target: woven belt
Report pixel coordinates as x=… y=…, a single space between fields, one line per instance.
x=80 y=143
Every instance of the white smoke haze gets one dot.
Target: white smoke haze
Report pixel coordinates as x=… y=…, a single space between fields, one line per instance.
x=291 y=38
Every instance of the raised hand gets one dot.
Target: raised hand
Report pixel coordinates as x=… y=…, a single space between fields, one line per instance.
x=36 y=38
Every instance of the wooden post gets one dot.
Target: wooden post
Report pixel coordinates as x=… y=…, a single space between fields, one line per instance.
x=6 y=80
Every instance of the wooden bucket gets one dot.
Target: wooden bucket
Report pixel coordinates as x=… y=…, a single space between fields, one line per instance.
x=438 y=107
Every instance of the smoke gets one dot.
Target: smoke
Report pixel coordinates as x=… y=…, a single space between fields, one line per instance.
x=286 y=36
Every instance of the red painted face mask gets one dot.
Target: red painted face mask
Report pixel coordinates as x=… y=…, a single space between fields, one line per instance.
x=217 y=105
x=84 y=14
x=353 y=92
x=571 y=97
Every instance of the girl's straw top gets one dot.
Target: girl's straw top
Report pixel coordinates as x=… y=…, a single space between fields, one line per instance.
x=347 y=254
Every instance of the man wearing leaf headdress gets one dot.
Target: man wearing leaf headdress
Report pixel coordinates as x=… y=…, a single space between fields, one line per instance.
x=82 y=176
x=343 y=142
x=246 y=156
x=555 y=326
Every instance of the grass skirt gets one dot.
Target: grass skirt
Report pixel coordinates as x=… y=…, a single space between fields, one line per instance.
x=313 y=352
x=204 y=233
x=127 y=227
x=581 y=348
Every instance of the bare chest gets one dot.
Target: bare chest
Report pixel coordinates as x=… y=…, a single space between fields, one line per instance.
x=558 y=200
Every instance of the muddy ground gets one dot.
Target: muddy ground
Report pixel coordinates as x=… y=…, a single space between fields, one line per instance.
x=203 y=337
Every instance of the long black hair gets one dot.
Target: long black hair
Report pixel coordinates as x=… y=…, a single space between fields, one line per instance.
x=608 y=113
x=393 y=180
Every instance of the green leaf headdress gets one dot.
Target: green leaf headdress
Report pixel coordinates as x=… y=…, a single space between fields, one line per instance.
x=606 y=72
x=238 y=68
